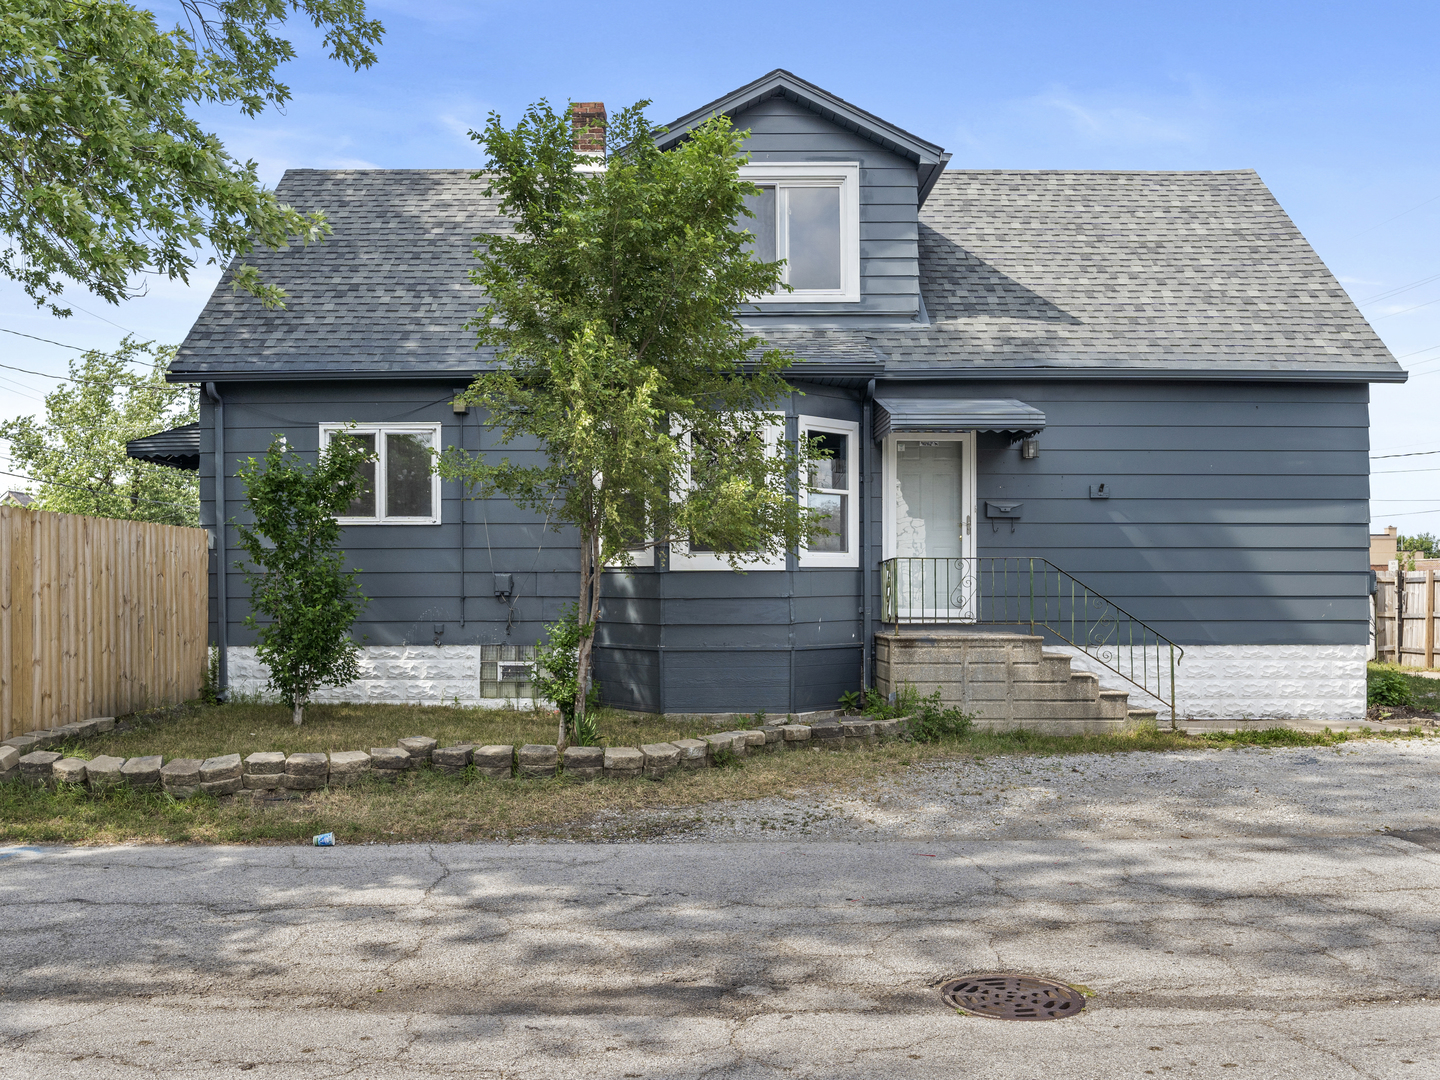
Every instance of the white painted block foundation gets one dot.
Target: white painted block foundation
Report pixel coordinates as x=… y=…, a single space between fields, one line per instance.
x=1259 y=682
x=403 y=675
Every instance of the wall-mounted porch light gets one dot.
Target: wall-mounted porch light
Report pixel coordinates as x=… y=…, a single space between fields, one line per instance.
x=1030 y=448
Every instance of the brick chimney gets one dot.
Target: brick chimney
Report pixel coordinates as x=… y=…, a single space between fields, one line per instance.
x=587 y=120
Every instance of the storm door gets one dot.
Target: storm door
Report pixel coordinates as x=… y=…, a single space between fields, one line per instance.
x=930 y=512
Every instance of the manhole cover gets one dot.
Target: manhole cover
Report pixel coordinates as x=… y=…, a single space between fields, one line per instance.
x=1012 y=997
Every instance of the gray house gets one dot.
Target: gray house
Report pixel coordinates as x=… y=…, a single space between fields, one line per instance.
x=1100 y=442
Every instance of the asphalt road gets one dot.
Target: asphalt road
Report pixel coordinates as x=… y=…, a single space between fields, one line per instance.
x=1259 y=956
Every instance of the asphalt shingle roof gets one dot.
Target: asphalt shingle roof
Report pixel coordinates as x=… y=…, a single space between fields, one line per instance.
x=1054 y=271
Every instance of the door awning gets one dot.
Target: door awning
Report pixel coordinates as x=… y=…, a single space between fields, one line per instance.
x=919 y=416
x=179 y=447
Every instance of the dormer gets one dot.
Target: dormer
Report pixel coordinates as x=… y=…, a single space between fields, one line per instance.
x=840 y=196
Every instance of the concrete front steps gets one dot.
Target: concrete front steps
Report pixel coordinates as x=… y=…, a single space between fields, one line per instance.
x=1005 y=680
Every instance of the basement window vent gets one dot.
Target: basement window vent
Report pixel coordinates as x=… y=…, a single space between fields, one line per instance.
x=513 y=671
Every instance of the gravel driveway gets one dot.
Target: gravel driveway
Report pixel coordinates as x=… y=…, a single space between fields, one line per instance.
x=1360 y=787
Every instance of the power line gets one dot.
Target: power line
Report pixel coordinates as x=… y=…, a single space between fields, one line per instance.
x=1397 y=217
x=1412 y=513
x=1414 y=453
x=1395 y=291
x=47 y=341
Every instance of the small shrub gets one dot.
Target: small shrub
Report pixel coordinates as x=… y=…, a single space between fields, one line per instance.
x=556 y=676
x=850 y=701
x=932 y=720
x=1388 y=688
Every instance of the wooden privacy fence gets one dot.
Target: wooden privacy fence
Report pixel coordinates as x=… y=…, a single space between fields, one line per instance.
x=1405 y=617
x=97 y=617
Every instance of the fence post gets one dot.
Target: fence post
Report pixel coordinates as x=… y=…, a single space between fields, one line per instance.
x=1429 y=618
x=1399 y=614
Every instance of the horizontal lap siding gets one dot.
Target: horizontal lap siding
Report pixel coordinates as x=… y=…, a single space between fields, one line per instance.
x=411 y=573
x=1238 y=513
x=783 y=131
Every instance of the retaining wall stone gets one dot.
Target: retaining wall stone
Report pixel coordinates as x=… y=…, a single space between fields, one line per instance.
x=389 y=761
x=584 y=763
x=348 y=767
x=104 y=772
x=70 y=771
x=494 y=761
x=660 y=759
x=221 y=775
x=264 y=771
x=535 y=761
x=306 y=772
x=452 y=760
x=623 y=762
x=694 y=753
x=180 y=777
x=9 y=758
x=419 y=747
x=142 y=773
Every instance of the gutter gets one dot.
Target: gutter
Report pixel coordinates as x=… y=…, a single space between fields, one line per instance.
x=961 y=370
x=222 y=615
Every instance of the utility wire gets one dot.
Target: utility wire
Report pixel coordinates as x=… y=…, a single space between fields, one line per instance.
x=47 y=340
x=1397 y=217
x=1415 y=453
x=1396 y=291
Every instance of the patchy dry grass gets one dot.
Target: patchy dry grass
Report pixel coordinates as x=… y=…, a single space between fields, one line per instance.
x=203 y=731
x=424 y=806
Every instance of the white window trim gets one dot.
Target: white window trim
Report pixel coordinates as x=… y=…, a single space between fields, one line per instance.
x=680 y=557
x=846 y=176
x=850 y=558
x=967 y=480
x=638 y=557
x=327 y=432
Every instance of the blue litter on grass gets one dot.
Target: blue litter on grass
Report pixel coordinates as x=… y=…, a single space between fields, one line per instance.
x=325 y=839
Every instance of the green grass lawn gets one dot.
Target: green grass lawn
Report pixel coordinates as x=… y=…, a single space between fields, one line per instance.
x=425 y=806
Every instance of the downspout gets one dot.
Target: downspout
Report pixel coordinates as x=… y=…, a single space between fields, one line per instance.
x=222 y=616
x=866 y=583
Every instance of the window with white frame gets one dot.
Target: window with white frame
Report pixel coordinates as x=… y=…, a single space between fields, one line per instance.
x=834 y=480
x=809 y=216
x=691 y=556
x=401 y=487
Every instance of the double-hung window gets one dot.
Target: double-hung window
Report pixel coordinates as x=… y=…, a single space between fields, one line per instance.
x=833 y=483
x=692 y=556
x=401 y=486
x=809 y=216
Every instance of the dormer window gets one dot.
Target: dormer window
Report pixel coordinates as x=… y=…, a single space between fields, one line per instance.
x=807 y=215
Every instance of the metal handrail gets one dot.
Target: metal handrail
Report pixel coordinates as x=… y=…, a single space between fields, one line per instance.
x=1020 y=590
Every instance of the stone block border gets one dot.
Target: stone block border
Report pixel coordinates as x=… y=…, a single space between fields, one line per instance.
x=27 y=759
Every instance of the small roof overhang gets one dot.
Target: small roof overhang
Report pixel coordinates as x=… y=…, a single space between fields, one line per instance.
x=920 y=416
x=179 y=447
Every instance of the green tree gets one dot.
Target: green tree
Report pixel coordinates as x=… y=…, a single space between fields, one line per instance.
x=1423 y=543
x=297 y=576
x=104 y=174
x=613 y=307
x=78 y=452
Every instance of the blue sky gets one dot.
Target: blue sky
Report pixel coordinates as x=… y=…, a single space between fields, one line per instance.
x=1334 y=104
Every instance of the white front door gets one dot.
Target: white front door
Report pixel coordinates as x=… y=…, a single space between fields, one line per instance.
x=929 y=524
